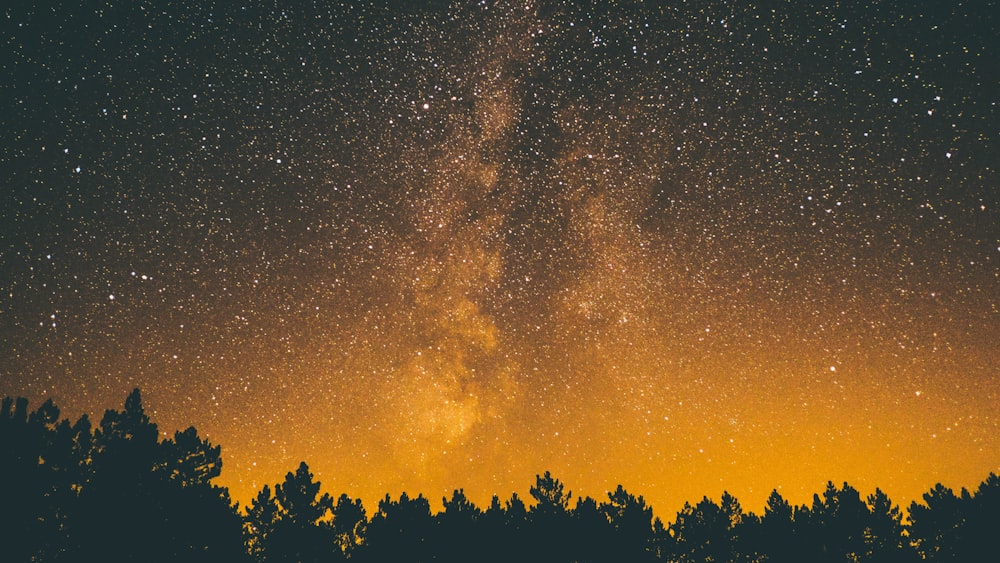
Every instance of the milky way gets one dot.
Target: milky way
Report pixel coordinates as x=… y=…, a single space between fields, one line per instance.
x=689 y=248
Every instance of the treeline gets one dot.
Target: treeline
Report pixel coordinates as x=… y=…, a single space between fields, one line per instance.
x=119 y=493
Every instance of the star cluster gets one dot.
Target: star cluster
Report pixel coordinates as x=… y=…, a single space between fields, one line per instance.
x=685 y=248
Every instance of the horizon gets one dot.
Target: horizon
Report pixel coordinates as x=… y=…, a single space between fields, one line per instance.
x=436 y=503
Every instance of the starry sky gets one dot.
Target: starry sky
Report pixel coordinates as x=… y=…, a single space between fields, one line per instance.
x=686 y=247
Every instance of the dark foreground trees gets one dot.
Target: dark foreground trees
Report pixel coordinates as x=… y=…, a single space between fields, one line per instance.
x=118 y=492
x=114 y=493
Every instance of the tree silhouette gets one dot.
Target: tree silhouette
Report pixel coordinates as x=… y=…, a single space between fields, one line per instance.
x=736 y=520
x=119 y=493
x=400 y=530
x=303 y=532
x=662 y=544
x=259 y=523
x=934 y=525
x=632 y=521
x=121 y=507
x=349 y=520
x=884 y=538
x=952 y=528
x=190 y=461
x=33 y=512
x=458 y=528
x=136 y=498
x=841 y=526
x=516 y=512
x=198 y=517
x=550 y=529
x=507 y=529
x=704 y=532
x=549 y=495
x=982 y=521
x=592 y=533
x=774 y=536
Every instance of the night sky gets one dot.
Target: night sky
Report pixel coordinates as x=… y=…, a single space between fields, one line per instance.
x=709 y=246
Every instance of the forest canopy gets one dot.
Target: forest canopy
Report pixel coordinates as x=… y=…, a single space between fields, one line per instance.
x=117 y=491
